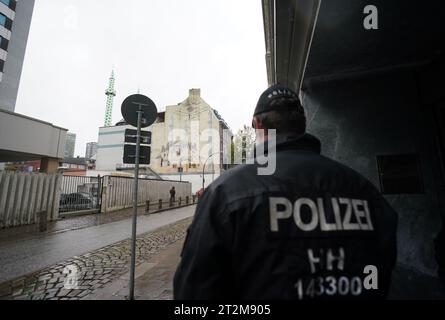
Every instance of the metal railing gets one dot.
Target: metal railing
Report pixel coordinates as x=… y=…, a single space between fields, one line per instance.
x=162 y=204
x=79 y=193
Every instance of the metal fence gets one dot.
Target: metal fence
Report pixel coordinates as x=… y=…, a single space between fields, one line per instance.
x=79 y=193
x=23 y=196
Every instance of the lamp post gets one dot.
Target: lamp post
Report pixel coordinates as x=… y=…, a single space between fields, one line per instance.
x=203 y=168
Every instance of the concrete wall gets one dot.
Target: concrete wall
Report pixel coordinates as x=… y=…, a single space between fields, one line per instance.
x=118 y=192
x=30 y=136
x=359 y=119
x=23 y=195
x=194 y=178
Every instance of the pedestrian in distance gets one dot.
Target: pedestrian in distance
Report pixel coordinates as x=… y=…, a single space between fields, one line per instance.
x=172 y=194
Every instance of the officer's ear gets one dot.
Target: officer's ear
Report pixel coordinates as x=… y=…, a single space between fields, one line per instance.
x=261 y=133
x=256 y=123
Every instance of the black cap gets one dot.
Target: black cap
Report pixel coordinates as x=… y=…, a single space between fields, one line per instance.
x=273 y=92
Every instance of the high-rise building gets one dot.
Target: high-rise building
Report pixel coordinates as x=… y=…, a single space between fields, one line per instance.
x=22 y=138
x=91 y=150
x=15 y=21
x=70 y=144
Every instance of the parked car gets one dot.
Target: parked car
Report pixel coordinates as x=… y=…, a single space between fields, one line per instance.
x=77 y=201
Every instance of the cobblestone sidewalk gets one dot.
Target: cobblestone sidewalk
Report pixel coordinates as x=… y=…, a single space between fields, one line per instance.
x=80 y=276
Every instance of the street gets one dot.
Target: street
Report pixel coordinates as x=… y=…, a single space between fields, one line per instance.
x=19 y=258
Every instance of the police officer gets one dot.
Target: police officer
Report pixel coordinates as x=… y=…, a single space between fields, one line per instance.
x=313 y=229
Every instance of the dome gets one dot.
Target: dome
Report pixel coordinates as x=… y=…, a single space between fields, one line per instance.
x=121 y=123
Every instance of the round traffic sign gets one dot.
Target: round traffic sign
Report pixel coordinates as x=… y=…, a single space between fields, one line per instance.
x=138 y=102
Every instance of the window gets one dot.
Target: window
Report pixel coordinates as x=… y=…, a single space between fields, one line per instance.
x=5 y=21
x=10 y=3
x=400 y=174
x=3 y=43
x=2 y=65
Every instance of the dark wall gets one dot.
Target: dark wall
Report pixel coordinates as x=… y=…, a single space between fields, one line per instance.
x=357 y=120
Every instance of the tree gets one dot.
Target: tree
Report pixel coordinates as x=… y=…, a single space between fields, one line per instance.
x=243 y=145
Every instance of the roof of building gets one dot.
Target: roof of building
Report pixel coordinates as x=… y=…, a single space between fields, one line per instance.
x=78 y=160
x=122 y=122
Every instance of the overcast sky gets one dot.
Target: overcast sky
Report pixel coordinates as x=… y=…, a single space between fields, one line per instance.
x=163 y=47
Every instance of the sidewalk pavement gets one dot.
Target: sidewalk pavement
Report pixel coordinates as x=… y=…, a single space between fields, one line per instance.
x=153 y=278
x=22 y=255
x=80 y=277
x=68 y=223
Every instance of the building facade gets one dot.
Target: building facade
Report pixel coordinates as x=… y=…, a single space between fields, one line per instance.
x=15 y=21
x=110 y=148
x=188 y=135
x=184 y=138
x=73 y=166
x=91 y=150
x=70 y=145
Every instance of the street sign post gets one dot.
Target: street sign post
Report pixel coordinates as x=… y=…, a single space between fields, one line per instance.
x=139 y=111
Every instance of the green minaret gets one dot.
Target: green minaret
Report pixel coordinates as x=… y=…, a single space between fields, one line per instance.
x=110 y=93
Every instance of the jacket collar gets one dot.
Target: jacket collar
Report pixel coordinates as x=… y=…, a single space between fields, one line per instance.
x=297 y=142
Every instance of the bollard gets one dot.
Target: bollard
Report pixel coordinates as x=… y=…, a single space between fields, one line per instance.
x=160 y=204
x=147 y=206
x=42 y=221
x=187 y=200
x=179 y=201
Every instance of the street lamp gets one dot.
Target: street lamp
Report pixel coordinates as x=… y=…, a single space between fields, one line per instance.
x=180 y=169
x=203 y=168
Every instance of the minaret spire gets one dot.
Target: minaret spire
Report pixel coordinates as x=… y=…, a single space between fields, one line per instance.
x=110 y=93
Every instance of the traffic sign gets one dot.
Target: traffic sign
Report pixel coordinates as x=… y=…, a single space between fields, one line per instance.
x=135 y=103
x=131 y=135
x=130 y=154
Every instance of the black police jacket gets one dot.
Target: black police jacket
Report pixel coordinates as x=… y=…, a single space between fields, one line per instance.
x=314 y=229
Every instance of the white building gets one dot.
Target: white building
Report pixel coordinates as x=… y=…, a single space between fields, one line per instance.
x=110 y=149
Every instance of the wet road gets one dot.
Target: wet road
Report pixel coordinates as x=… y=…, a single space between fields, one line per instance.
x=21 y=257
